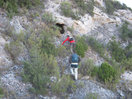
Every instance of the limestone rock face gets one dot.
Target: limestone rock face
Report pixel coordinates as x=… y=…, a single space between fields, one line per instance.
x=5 y=60
x=92 y=88
x=100 y=2
x=18 y=24
x=102 y=18
x=125 y=85
x=124 y=15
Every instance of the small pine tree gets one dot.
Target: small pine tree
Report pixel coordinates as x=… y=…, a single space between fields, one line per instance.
x=106 y=73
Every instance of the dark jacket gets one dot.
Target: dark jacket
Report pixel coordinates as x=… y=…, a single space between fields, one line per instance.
x=70 y=59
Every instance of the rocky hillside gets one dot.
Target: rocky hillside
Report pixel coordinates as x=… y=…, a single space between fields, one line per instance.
x=34 y=64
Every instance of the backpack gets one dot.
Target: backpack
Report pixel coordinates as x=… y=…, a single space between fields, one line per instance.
x=71 y=39
x=75 y=58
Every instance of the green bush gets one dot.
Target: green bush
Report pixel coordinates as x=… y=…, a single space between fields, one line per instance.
x=116 y=51
x=1 y=93
x=9 y=5
x=94 y=71
x=125 y=32
x=98 y=47
x=39 y=69
x=66 y=9
x=106 y=73
x=128 y=51
x=109 y=6
x=127 y=64
x=81 y=46
x=46 y=41
x=28 y=3
x=92 y=96
x=112 y=5
x=12 y=5
x=62 y=51
x=48 y=47
x=14 y=48
x=85 y=7
x=48 y=18
x=87 y=67
x=65 y=84
x=118 y=5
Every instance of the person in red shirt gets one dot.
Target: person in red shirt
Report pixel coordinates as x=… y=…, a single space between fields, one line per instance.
x=71 y=41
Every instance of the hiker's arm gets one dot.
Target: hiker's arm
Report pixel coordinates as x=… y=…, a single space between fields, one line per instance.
x=65 y=40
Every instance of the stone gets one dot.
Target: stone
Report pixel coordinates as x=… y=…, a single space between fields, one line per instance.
x=5 y=60
x=92 y=87
x=17 y=26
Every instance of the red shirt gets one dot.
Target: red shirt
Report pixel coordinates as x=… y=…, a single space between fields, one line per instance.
x=68 y=39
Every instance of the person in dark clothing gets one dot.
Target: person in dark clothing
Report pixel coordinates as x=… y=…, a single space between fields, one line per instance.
x=74 y=61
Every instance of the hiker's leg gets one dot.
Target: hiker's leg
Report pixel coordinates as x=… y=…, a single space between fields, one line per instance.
x=71 y=47
x=72 y=72
x=76 y=73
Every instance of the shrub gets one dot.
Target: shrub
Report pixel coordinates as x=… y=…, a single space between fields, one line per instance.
x=127 y=64
x=125 y=32
x=81 y=46
x=109 y=6
x=118 y=5
x=62 y=51
x=106 y=73
x=66 y=9
x=1 y=93
x=48 y=18
x=14 y=48
x=128 y=51
x=98 y=47
x=46 y=42
x=116 y=51
x=39 y=69
x=48 y=47
x=94 y=71
x=12 y=5
x=65 y=84
x=85 y=7
x=112 y=5
x=9 y=5
x=87 y=67
x=92 y=96
x=28 y=3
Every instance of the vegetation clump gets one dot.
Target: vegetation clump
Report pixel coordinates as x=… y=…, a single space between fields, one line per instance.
x=1 y=93
x=42 y=65
x=81 y=46
x=85 y=6
x=95 y=45
x=112 y=5
x=125 y=32
x=67 y=11
x=87 y=67
x=12 y=5
x=106 y=73
x=116 y=51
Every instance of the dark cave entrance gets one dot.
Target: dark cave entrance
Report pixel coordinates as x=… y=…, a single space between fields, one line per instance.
x=61 y=27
